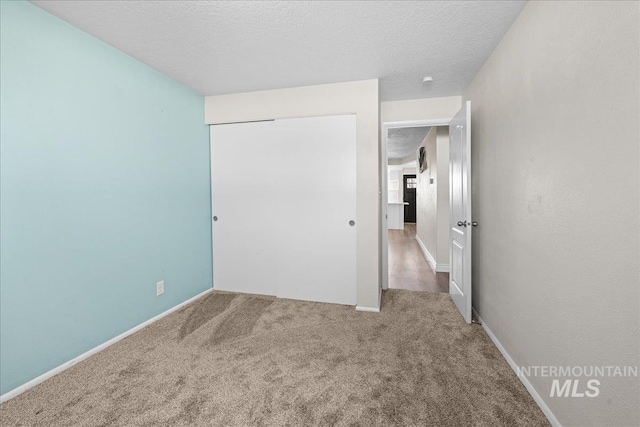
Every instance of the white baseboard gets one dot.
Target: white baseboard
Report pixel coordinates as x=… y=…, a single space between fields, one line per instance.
x=443 y=268
x=370 y=309
x=438 y=268
x=34 y=382
x=426 y=253
x=532 y=391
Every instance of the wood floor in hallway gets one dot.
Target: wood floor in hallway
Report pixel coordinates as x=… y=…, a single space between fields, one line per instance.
x=408 y=268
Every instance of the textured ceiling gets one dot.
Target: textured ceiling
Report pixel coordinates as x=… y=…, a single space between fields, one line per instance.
x=404 y=141
x=228 y=47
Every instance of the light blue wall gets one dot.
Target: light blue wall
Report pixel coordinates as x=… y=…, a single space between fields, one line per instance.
x=104 y=191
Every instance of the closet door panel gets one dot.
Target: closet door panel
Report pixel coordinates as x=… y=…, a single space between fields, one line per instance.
x=243 y=200
x=316 y=197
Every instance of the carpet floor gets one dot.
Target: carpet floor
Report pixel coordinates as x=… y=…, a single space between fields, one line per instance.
x=245 y=360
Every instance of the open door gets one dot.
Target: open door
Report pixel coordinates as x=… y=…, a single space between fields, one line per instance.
x=461 y=220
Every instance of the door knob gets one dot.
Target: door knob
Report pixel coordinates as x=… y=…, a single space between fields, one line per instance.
x=462 y=224
x=352 y=223
x=474 y=223
x=215 y=218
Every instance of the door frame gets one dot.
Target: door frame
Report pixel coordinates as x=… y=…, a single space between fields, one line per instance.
x=384 y=179
x=404 y=189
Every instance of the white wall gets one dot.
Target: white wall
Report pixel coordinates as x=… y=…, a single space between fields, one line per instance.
x=419 y=109
x=359 y=97
x=408 y=171
x=426 y=212
x=555 y=146
x=409 y=158
x=394 y=175
x=433 y=198
x=443 y=195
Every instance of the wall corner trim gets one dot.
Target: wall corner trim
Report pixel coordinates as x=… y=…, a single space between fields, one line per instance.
x=66 y=365
x=525 y=381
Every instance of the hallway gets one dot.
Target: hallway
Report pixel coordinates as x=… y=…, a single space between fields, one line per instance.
x=408 y=268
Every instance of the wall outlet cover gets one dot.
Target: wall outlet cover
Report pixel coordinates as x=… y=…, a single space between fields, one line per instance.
x=160 y=288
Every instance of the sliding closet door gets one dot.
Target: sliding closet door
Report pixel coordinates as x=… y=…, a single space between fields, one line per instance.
x=244 y=207
x=284 y=195
x=316 y=193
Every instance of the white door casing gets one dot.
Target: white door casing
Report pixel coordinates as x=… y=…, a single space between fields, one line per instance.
x=384 y=176
x=460 y=219
x=289 y=234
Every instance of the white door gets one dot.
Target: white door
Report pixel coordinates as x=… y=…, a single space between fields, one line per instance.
x=461 y=220
x=316 y=194
x=284 y=194
x=244 y=208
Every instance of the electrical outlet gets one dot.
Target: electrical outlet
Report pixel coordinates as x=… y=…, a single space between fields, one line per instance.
x=160 y=288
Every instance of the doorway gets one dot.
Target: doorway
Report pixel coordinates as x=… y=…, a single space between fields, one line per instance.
x=407 y=263
x=410 y=184
x=452 y=173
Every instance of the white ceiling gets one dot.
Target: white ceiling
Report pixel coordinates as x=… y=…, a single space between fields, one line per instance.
x=404 y=141
x=228 y=47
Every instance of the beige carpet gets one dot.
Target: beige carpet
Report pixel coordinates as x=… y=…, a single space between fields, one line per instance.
x=231 y=359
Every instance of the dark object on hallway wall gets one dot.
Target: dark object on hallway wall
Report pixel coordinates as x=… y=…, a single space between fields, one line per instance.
x=422 y=159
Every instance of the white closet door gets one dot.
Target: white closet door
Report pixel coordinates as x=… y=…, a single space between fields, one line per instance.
x=316 y=193
x=284 y=193
x=243 y=201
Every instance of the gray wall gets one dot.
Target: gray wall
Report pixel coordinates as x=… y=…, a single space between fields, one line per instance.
x=555 y=134
x=433 y=198
x=426 y=205
x=442 y=183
